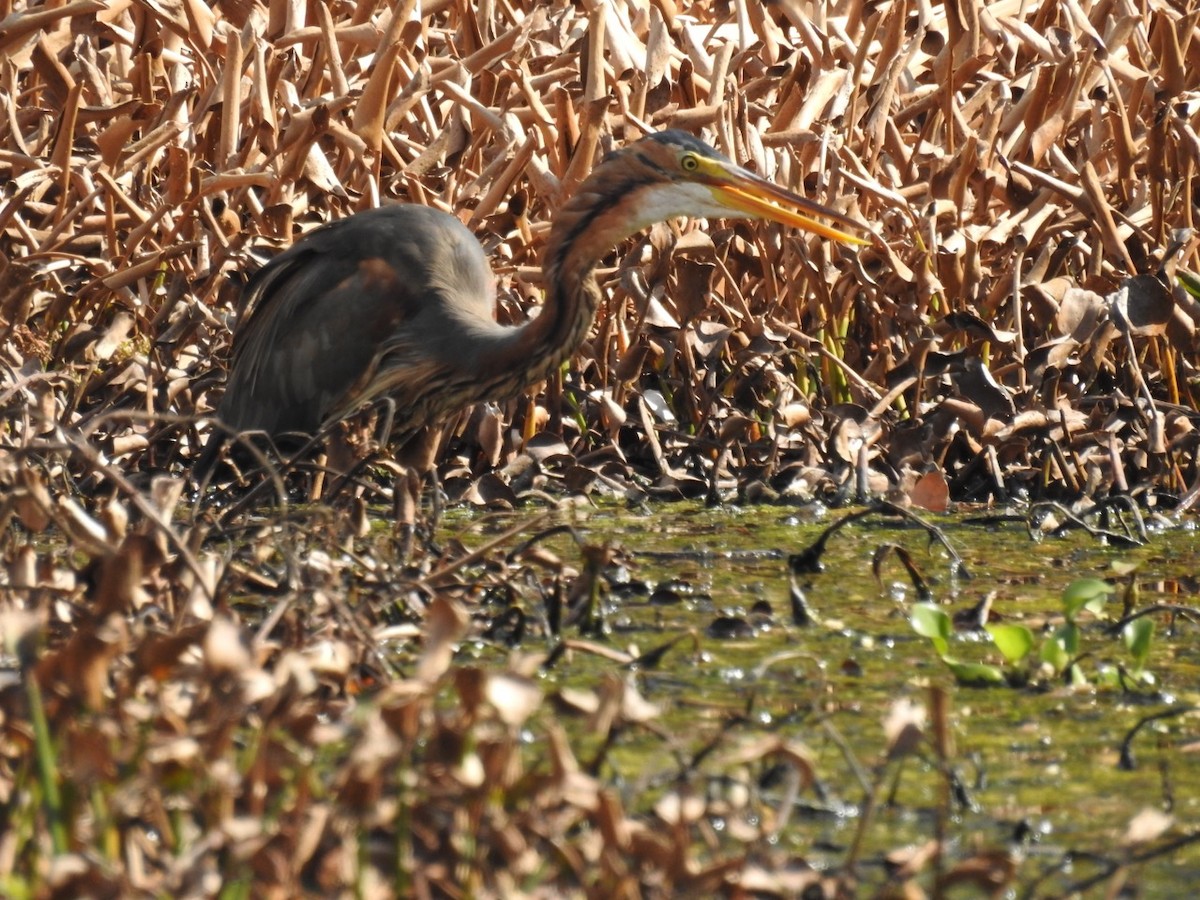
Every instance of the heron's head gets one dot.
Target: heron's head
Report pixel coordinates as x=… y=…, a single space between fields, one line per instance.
x=672 y=173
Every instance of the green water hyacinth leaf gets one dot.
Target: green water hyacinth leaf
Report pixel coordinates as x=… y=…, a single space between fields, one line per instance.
x=1014 y=641
x=975 y=674
x=1086 y=593
x=1078 y=678
x=934 y=623
x=1058 y=650
x=1189 y=281
x=1138 y=635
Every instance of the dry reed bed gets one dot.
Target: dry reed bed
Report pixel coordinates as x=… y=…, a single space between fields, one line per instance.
x=1008 y=163
x=1024 y=326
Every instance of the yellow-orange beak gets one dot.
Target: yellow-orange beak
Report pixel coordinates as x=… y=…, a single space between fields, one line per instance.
x=746 y=192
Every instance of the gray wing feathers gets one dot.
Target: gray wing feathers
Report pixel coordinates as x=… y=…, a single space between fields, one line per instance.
x=320 y=316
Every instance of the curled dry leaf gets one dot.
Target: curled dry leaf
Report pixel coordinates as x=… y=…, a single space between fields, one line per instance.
x=514 y=699
x=1148 y=825
x=773 y=746
x=1142 y=305
x=904 y=728
x=19 y=630
x=675 y=808
x=931 y=492
x=225 y=649
x=445 y=623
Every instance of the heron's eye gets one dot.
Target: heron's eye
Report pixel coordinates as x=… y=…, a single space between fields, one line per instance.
x=690 y=162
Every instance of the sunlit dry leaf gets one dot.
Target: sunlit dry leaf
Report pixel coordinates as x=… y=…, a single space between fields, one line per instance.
x=707 y=338
x=608 y=713
x=225 y=649
x=242 y=829
x=1057 y=355
x=113 y=337
x=931 y=491
x=577 y=700
x=847 y=439
x=658 y=315
x=376 y=747
x=23 y=570
x=470 y=683
x=577 y=788
x=32 y=501
x=321 y=173
x=115 y=517
x=445 y=623
x=611 y=413
x=1148 y=825
x=635 y=707
x=470 y=771
x=904 y=727
x=19 y=632
x=165 y=493
x=544 y=446
x=318 y=566
x=494 y=493
x=659 y=406
x=180 y=750
x=911 y=861
x=119 y=586
x=675 y=808
x=514 y=699
x=402 y=632
x=81 y=528
x=796 y=415
x=490 y=434
x=203 y=589
x=329 y=657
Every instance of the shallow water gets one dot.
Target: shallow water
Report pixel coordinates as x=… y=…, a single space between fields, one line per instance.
x=1038 y=765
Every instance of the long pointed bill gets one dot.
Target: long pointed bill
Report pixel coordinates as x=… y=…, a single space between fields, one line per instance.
x=739 y=189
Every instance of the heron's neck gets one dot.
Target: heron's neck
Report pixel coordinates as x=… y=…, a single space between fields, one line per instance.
x=566 y=315
x=590 y=224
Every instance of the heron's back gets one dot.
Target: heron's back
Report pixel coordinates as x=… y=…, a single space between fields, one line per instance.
x=320 y=315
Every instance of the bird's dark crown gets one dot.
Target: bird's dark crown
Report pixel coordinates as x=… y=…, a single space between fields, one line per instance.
x=673 y=139
x=683 y=140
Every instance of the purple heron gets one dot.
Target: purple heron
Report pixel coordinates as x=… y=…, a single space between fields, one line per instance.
x=396 y=302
